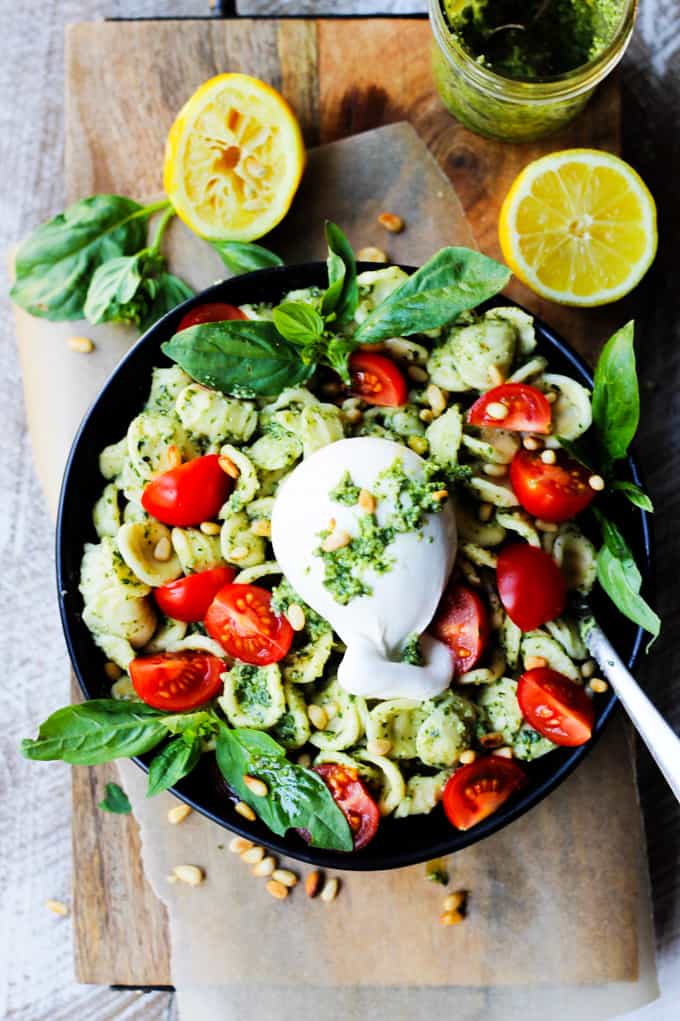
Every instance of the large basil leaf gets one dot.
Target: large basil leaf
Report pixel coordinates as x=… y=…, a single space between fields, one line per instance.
x=637 y=496
x=620 y=577
x=242 y=358
x=97 y=731
x=173 y=762
x=115 y=800
x=298 y=323
x=54 y=265
x=452 y=281
x=244 y=257
x=298 y=798
x=616 y=398
x=114 y=284
x=342 y=295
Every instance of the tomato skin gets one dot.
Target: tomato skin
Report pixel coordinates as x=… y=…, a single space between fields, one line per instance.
x=188 y=598
x=530 y=585
x=358 y=807
x=377 y=380
x=194 y=676
x=528 y=409
x=213 y=312
x=556 y=707
x=477 y=790
x=552 y=492
x=241 y=619
x=462 y=623
x=189 y=494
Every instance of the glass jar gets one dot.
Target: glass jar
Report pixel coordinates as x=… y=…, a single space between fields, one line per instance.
x=506 y=108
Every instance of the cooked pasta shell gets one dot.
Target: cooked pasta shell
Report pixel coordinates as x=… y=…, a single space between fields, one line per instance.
x=138 y=541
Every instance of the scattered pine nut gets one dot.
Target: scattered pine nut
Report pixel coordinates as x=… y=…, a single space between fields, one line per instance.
x=261 y=527
x=497 y=410
x=598 y=685
x=426 y=415
x=178 y=814
x=484 y=511
x=57 y=907
x=495 y=471
x=285 y=876
x=496 y=377
x=455 y=901
x=296 y=616
x=238 y=553
x=505 y=752
x=468 y=756
x=210 y=528
x=367 y=501
x=493 y=740
x=265 y=867
x=546 y=526
x=451 y=918
x=245 y=810
x=304 y=760
x=371 y=254
x=192 y=875
x=417 y=374
x=253 y=855
x=391 y=222
x=228 y=466
x=255 y=786
x=435 y=397
x=173 y=456
x=83 y=345
x=596 y=482
x=381 y=746
x=548 y=457
x=313 y=883
x=277 y=890
x=531 y=443
x=418 y=444
x=336 y=540
x=588 y=668
x=535 y=663
x=237 y=845
x=330 y=890
x=112 y=670
x=318 y=716
x=162 y=550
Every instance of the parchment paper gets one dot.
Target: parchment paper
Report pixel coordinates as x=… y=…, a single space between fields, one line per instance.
x=559 y=916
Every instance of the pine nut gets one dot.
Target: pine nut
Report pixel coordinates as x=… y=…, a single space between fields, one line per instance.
x=253 y=855
x=535 y=663
x=57 y=907
x=336 y=540
x=426 y=415
x=496 y=377
x=83 y=345
x=497 y=410
x=228 y=466
x=285 y=876
x=418 y=444
x=468 y=756
x=451 y=918
x=238 y=553
x=531 y=443
x=352 y=416
x=210 y=528
x=548 y=457
x=505 y=752
x=434 y=395
x=485 y=511
x=190 y=874
x=173 y=456
x=304 y=760
x=162 y=550
x=495 y=471
x=296 y=616
x=596 y=482
x=391 y=222
x=546 y=526
x=255 y=786
x=493 y=740
x=588 y=668
x=371 y=254
x=245 y=810
x=178 y=814
x=265 y=867
x=598 y=685
x=112 y=671
x=277 y=890
x=456 y=900
x=551 y=396
x=313 y=884
x=381 y=746
x=367 y=501
x=261 y=527
x=330 y=890
x=237 y=845
x=318 y=716
x=417 y=374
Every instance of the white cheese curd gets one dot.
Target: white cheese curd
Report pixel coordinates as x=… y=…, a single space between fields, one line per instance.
x=375 y=627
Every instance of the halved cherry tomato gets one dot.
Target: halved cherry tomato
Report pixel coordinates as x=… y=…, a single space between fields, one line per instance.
x=552 y=492
x=356 y=803
x=556 y=707
x=530 y=585
x=528 y=409
x=241 y=619
x=189 y=494
x=177 y=681
x=462 y=623
x=377 y=380
x=213 y=312
x=188 y=598
x=474 y=792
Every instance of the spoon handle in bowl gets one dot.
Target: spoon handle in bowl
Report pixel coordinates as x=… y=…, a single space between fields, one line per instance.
x=662 y=742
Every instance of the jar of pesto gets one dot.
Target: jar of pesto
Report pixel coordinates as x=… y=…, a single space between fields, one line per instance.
x=520 y=69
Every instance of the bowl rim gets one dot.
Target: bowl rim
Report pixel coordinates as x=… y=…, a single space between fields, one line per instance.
x=353 y=861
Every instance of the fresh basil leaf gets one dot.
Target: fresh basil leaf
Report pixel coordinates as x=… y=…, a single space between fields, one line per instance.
x=244 y=257
x=616 y=397
x=337 y=355
x=622 y=585
x=342 y=295
x=55 y=264
x=173 y=762
x=298 y=798
x=452 y=281
x=165 y=293
x=614 y=541
x=298 y=323
x=97 y=731
x=113 y=284
x=633 y=493
x=115 y=800
x=578 y=450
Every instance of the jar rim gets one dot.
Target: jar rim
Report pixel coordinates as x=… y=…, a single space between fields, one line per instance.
x=539 y=90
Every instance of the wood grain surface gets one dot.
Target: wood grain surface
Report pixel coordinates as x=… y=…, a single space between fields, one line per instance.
x=124 y=84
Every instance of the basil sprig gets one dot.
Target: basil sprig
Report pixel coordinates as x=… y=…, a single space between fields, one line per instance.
x=173 y=762
x=342 y=295
x=115 y=800
x=616 y=397
x=244 y=257
x=620 y=577
x=297 y=797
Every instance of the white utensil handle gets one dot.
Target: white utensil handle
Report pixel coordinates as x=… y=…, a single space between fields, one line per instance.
x=662 y=742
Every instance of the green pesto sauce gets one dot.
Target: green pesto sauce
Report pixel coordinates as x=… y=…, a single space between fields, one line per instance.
x=412 y=653
x=533 y=39
x=283 y=595
x=251 y=687
x=345 y=492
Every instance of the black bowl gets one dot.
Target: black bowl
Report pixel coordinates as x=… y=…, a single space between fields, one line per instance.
x=399 y=842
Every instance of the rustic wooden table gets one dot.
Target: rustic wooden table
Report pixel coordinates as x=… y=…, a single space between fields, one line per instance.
x=35 y=947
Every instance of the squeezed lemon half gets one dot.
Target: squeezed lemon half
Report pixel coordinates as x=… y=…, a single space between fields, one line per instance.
x=233 y=159
x=579 y=227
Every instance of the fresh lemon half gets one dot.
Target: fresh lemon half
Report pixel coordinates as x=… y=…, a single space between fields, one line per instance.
x=233 y=159
x=579 y=227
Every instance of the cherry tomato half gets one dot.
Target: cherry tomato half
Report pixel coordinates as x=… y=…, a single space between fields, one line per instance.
x=556 y=707
x=474 y=792
x=552 y=492
x=377 y=380
x=177 y=681
x=188 y=598
x=530 y=585
x=189 y=494
x=528 y=409
x=462 y=623
x=241 y=619
x=356 y=803
x=213 y=312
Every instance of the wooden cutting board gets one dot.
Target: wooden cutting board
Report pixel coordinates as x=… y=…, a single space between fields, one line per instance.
x=124 y=84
